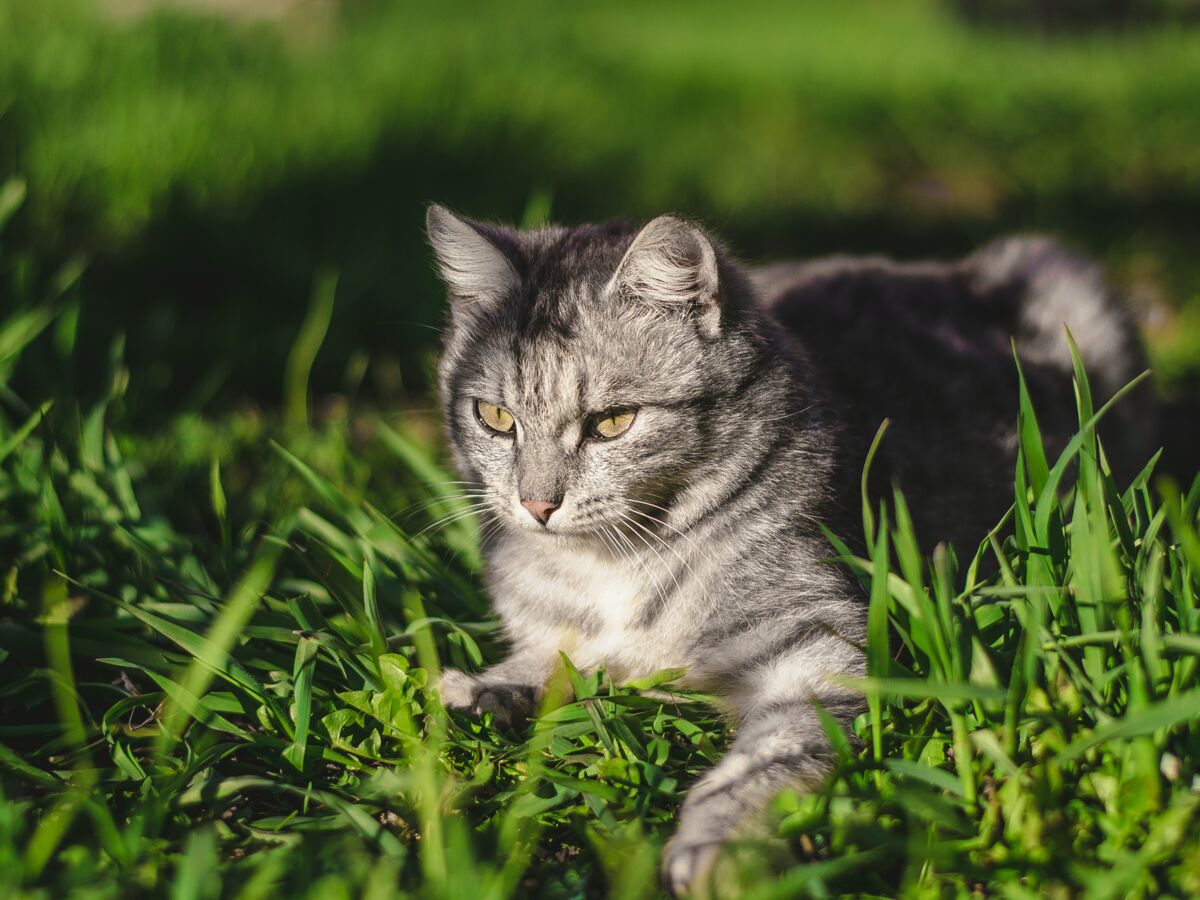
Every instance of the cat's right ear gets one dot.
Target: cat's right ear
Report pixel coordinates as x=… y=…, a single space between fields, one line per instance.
x=475 y=260
x=672 y=263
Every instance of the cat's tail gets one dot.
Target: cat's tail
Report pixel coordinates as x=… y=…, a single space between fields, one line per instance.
x=1053 y=287
x=1046 y=286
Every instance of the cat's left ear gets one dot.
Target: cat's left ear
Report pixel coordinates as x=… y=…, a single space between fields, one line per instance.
x=671 y=262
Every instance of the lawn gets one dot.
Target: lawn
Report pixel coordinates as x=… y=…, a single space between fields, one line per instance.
x=230 y=566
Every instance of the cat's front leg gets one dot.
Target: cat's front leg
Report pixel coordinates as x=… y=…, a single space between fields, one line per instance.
x=509 y=690
x=780 y=745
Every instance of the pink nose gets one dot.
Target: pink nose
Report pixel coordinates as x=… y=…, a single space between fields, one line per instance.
x=540 y=509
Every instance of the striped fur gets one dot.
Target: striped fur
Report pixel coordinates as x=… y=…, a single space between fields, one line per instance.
x=693 y=540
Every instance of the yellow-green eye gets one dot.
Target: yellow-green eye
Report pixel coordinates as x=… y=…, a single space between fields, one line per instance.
x=613 y=423
x=494 y=417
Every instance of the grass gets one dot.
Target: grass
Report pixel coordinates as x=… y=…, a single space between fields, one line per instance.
x=217 y=642
x=220 y=111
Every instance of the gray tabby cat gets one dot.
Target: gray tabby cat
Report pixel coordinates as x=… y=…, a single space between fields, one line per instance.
x=657 y=432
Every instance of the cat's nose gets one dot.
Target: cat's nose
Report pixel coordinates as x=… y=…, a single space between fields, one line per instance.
x=540 y=509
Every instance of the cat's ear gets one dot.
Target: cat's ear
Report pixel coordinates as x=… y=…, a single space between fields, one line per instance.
x=474 y=258
x=672 y=262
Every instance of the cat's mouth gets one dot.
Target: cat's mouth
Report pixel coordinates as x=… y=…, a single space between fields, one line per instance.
x=566 y=526
x=556 y=529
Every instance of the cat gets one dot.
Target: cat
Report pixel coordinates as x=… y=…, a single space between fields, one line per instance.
x=656 y=434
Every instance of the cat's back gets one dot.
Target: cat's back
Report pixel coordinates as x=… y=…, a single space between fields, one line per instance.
x=929 y=347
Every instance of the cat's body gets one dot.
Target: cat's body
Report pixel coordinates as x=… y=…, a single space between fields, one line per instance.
x=659 y=434
x=928 y=346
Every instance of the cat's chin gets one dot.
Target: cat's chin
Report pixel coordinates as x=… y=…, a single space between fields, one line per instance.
x=563 y=533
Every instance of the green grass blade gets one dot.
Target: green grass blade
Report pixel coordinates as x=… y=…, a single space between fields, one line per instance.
x=305 y=348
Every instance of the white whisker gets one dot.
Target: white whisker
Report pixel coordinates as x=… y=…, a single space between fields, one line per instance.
x=414 y=508
x=699 y=582
x=655 y=582
x=642 y=528
x=443 y=522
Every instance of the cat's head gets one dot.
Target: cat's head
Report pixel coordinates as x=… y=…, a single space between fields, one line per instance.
x=590 y=375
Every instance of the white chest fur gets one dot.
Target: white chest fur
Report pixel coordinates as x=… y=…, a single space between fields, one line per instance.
x=590 y=605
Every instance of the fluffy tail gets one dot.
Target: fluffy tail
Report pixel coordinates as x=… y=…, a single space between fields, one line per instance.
x=1049 y=287
x=1053 y=287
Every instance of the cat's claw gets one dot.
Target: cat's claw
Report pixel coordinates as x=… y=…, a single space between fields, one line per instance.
x=687 y=866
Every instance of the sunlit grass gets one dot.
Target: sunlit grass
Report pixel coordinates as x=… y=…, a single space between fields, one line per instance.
x=847 y=109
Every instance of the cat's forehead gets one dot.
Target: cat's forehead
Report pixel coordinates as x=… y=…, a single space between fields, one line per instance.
x=558 y=376
x=563 y=344
x=556 y=255
x=566 y=274
x=562 y=332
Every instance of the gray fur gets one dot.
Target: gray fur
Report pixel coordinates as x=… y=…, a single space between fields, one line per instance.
x=692 y=540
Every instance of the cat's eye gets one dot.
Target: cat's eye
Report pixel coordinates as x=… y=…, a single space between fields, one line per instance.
x=611 y=424
x=494 y=417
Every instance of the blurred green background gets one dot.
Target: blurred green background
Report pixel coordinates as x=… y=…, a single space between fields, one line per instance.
x=204 y=161
x=218 y=452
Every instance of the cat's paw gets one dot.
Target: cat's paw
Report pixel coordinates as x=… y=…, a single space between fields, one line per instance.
x=686 y=865
x=509 y=704
x=457 y=689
